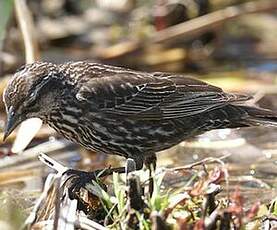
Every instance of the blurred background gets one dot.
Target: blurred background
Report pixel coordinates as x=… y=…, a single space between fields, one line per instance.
x=229 y=43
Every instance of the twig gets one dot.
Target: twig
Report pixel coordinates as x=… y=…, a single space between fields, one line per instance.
x=68 y=217
x=85 y=223
x=34 y=214
x=201 y=162
x=60 y=169
x=26 y=25
x=51 y=163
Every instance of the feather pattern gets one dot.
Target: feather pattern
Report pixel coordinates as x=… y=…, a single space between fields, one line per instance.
x=121 y=111
x=153 y=96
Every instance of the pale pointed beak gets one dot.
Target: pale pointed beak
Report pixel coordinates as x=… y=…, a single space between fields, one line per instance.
x=12 y=122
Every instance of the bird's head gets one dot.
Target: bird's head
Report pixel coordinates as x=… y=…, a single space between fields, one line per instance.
x=31 y=92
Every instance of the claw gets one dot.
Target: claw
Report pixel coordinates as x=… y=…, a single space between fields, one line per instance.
x=78 y=179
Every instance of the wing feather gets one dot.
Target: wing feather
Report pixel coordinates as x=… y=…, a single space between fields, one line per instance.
x=153 y=96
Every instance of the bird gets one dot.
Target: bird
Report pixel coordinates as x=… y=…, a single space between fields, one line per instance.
x=116 y=110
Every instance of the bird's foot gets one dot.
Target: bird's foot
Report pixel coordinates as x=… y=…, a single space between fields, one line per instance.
x=79 y=179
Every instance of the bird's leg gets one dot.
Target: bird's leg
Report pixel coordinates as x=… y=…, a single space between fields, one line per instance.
x=139 y=160
x=130 y=166
x=150 y=163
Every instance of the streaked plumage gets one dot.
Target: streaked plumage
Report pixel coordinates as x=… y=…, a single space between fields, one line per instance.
x=121 y=111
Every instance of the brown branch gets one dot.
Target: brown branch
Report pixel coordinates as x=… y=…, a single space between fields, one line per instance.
x=26 y=25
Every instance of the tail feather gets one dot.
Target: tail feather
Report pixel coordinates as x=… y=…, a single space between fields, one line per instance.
x=258 y=116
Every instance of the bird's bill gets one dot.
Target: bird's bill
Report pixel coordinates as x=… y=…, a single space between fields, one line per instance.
x=12 y=122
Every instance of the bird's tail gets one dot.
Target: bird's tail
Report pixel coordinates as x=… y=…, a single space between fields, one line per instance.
x=258 y=116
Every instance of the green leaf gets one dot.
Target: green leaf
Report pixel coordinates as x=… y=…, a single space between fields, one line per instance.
x=275 y=207
x=157 y=200
x=96 y=189
x=5 y=13
x=119 y=193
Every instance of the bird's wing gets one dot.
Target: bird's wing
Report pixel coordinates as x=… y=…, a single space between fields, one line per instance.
x=153 y=96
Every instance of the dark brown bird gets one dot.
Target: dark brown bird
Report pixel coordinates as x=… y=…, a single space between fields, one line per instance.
x=121 y=111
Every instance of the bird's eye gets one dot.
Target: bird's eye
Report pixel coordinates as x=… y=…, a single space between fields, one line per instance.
x=31 y=99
